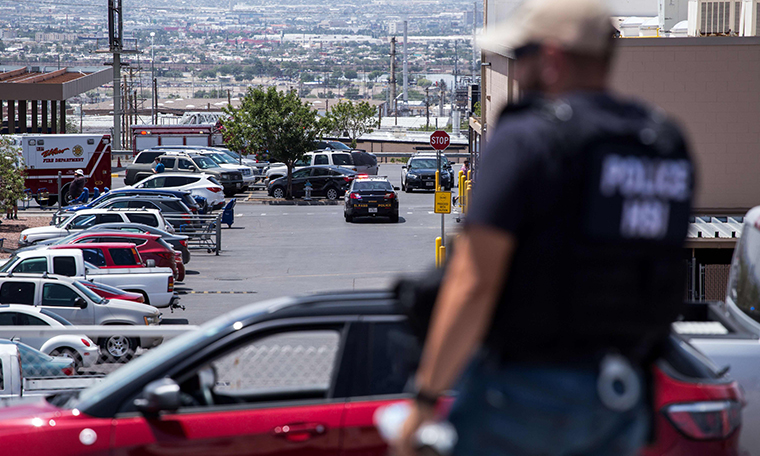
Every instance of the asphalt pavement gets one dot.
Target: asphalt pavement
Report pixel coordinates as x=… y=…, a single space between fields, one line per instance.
x=278 y=250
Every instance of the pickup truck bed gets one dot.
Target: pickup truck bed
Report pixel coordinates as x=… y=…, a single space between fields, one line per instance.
x=732 y=340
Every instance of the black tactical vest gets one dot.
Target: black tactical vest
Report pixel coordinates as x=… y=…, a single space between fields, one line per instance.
x=599 y=266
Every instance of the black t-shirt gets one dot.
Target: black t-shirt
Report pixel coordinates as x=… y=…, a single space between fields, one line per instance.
x=599 y=214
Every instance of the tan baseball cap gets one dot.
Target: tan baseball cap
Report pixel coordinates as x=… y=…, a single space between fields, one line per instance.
x=582 y=26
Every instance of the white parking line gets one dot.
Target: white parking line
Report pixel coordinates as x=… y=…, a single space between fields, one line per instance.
x=431 y=212
x=409 y=213
x=285 y=213
x=263 y=213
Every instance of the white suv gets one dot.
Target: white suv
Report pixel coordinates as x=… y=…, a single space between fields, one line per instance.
x=202 y=184
x=318 y=157
x=77 y=221
x=227 y=162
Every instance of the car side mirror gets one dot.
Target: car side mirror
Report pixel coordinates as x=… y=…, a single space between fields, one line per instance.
x=403 y=166
x=150 y=263
x=80 y=302
x=159 y=396
x=396 y=188
x=192 y=168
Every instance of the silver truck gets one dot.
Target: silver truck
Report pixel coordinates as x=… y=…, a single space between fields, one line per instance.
x=729 y=331
x=155 y=284
x=13 y=384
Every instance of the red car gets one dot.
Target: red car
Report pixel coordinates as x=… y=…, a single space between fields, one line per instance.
x=302 y=376
x=111 y=255
x=109 y=292
x=150 y=247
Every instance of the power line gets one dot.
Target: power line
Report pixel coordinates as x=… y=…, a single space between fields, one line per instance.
x=58 y=3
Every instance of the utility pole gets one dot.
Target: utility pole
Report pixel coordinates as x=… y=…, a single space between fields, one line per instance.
x=392 y=82
x=427 y=107
x=474 y=41
x=115 y=45
x=152 y=80
x=406 y=68
x=442 y=86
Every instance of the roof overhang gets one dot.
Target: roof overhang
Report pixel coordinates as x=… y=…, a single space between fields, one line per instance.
x=21 y=84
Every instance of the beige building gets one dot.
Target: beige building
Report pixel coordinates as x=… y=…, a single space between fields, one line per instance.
x=710 y=85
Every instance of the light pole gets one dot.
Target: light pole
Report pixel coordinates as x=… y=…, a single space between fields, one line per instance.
x=152 y=80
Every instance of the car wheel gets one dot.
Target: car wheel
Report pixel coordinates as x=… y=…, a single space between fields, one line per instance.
x=394 y=218
x=69 y=353
x=118 y=349
x=349 y=218
x=407 y=189
x=278 y=192
x=230 y=193
x=332 y=193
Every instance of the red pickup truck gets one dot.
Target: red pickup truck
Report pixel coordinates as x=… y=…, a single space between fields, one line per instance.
x=108 y=255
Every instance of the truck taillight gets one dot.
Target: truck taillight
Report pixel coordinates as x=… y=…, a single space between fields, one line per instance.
x=705 y=420
x=170 y=287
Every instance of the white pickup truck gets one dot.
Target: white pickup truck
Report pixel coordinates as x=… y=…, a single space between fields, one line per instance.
x=155 y=284
x=13 y=384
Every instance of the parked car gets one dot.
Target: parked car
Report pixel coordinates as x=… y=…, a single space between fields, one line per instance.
x=155 y=284
x=78 y=347
x=88 y=218
x=109 y=292
x=227 y=162
x=34 y=363
x=77 y=304
x=328 y=181
x=298 y=376
x=177 y=241
x=149 y=246
x=183 y=195
x=316 y=158
x=235 y=156
x=370 y=197
x=419 y=173
x=204 y=185
x=113 y=255
x=173 y=209
x=188 y=162
x=445 y=164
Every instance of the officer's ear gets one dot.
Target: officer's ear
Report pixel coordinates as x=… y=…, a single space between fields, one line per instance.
x=553 y=64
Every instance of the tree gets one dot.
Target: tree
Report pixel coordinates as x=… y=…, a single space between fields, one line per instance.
x=374 y=75
x=11 y=173
x=352 y=119
x=422 y=82
x=350 y=74
x=274 y=123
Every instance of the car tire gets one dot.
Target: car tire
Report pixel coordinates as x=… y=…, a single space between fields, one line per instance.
x=118 y=349
x=394 y=218
x=407 y=189
x=349 y=218
x=332 y=193
x=278 y=192
x=230 y=193
x=69 y=353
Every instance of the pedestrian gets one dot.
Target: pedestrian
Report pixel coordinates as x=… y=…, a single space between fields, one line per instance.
x=567 y=275
x=77 y=185
x=466 y=168
x=158 y=167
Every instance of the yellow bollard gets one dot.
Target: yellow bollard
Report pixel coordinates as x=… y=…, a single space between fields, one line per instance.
x=469 y=194
x=442 y=256
x=438 y=242
x=437 y=181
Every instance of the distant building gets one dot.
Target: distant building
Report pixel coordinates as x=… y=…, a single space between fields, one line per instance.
x=54 y=37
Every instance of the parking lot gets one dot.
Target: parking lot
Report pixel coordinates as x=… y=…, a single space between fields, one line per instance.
x=279 y=250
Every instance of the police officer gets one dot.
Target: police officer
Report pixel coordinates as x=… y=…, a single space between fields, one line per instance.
x=567 y=274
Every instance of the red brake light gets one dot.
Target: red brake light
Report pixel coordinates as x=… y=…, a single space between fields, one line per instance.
x=355 y=196
x=214 y=189
x=362 y=176
x=348 y=178
x=183 y=243
x=141 y=298
x=67 y=371
x=705 y=420
x=390 y=195
x=85 y=342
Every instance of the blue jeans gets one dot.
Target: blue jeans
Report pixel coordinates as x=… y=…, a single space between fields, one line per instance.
x=542 y=410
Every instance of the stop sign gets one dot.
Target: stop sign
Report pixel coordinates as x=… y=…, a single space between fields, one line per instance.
x=440 y=140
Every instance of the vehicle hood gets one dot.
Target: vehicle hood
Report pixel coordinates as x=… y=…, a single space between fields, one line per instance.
x=30 y=407
x=42 y=231
x=117 y=305
x=422 y=171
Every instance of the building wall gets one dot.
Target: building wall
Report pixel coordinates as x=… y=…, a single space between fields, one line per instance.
x=710 y=85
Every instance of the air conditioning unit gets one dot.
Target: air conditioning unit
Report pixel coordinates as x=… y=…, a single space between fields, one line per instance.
x=711 y=17
x=671 y=12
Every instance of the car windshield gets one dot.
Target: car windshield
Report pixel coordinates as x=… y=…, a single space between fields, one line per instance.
x=423 y=163
x=205 y=163
x=373 y=185
x=9 y=264
x=223 y=159
x=337 y=145
x=63 y=219
x=56 y=317
x=31 y=355
x=94 y=297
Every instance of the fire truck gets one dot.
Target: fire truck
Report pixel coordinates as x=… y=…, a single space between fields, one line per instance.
x=147 y=136
x=46 y=155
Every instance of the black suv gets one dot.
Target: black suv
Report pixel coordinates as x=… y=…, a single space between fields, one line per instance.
x=370 y=197
x=328 y=181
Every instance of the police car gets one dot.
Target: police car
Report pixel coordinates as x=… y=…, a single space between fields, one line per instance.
x=370 y=197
